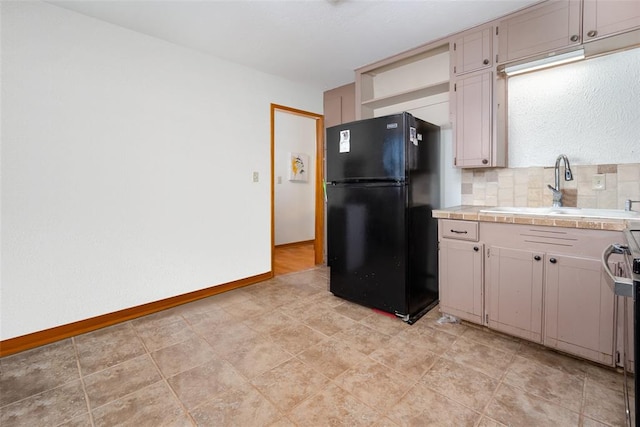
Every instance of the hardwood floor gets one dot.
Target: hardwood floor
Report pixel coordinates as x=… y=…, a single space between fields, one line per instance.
x=293 y=257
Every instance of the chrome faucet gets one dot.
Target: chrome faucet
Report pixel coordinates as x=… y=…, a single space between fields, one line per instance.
x=628 y=203
x=568 y=176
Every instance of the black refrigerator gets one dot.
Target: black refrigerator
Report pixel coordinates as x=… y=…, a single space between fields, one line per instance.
x=383 y=182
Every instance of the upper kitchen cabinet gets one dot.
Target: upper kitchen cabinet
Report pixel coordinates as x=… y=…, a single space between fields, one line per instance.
x=340 y=105
x=549 y=26
x=603 y=18
x=601 y=26
x=472 y=51
x=478 y=117
x=476 y=112
x=412 y=79
x=472 y=118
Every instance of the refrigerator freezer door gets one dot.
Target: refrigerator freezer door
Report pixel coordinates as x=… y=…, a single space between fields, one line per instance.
x=372 y=149
x=367 y=249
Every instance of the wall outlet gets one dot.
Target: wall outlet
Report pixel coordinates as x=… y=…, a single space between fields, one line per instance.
x=256 y=177
x=598 y=182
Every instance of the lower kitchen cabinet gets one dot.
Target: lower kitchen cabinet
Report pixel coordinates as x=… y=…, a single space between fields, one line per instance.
x=540 y=283
x=514 y=292
x=579 y=313
x=461 y=270
x=547 y=285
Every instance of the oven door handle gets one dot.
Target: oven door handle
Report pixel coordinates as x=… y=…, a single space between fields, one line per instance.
x=622 y=286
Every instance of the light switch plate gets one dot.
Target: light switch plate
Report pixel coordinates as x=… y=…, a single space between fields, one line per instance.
x=598 y=182
x=256 y=177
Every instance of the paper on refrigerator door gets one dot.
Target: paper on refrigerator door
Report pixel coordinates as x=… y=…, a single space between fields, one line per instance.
x=412 y=136
x=345 y=141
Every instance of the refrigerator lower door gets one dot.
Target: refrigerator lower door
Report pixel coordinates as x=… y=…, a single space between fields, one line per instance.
x=366 y=242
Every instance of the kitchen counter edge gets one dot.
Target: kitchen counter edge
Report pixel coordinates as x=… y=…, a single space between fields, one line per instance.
x=472 y=213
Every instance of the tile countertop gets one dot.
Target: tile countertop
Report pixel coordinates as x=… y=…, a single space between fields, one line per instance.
x=472 y=213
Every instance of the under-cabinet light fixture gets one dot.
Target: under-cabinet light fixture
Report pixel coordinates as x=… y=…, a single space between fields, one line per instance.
x=549 y=61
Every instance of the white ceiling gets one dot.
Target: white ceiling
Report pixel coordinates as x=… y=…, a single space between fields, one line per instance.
x=314 y=42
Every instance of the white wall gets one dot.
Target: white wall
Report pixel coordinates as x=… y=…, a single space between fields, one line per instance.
x=588 y=110
x=127 y=168
x=294 y=200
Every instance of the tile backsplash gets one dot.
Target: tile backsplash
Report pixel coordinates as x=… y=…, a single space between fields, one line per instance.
x=528 y=186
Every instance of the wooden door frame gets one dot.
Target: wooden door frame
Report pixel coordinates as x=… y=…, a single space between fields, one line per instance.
x=319 y=179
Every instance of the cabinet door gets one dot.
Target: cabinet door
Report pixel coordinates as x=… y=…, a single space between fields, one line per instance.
x=515 y=292
x=547 y=27
x=473 y=120
x=461 y=279
x=339 y=105
x=606 y=17
x=473 y=51
x=579 y=308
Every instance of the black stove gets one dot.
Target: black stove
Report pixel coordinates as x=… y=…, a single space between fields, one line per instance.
x=628 y=286
x=632 y=235
x=632 y=259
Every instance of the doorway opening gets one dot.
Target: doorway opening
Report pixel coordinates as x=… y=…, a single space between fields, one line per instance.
x=297 y=193
x=292 y=257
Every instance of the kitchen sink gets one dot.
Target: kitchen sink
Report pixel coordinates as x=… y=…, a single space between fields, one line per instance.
x=564 y=211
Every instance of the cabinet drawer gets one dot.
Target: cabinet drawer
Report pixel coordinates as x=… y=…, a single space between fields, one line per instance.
x=461 y=230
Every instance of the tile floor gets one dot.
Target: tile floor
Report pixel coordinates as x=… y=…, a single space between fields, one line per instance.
x=288 y=353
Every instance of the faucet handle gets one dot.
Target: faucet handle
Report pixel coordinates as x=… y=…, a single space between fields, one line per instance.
x=557 y=197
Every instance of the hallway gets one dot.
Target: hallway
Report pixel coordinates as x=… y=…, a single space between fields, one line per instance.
x=293 y=257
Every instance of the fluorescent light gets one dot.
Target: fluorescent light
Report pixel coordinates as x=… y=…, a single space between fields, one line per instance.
x=549 y=61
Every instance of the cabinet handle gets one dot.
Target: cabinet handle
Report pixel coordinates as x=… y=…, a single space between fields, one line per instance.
x=537 y=257
x=485 y=161
x=592 y=33
x=485 y=62
x=475 y=248
x=458 y=231
x=553 y=260
x=575 y=38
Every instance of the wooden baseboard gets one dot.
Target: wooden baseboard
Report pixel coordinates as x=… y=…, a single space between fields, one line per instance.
x=288 y=245
x=25 y=342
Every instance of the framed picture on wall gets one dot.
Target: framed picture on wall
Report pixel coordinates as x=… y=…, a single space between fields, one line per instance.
x=298 y=167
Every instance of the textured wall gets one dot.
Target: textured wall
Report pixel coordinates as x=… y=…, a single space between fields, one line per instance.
x=588 y=110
